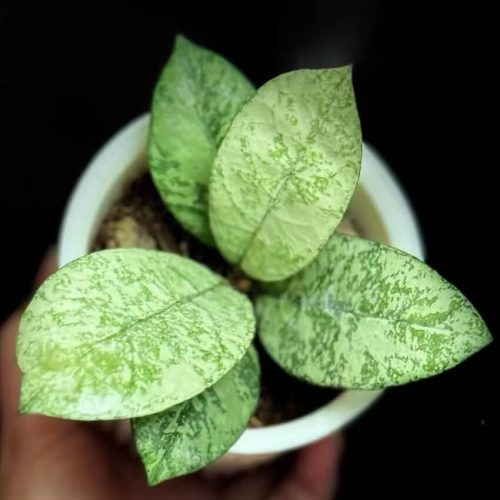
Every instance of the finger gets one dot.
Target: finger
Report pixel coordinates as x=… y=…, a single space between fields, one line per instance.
x=314 y=475
x=9 y=372
x=62 y=459
x=10 y=375
x=16 y=429
x=46 y=268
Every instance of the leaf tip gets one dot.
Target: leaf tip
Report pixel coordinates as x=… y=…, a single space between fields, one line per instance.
x=183 y=43
x=153 y=477
x=181 y=39
x=484 y=339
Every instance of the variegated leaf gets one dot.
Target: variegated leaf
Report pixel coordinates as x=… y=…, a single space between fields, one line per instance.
x=366 y=316
x=285 y=172
x=128 y=332
x=195 y=100
x=188 y=436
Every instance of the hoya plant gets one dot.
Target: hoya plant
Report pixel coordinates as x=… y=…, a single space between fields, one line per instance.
x=265 y=176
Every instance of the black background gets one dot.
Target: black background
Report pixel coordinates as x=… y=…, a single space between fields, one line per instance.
x=71 y=75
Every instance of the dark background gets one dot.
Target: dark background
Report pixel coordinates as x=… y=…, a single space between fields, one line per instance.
x=71 y=75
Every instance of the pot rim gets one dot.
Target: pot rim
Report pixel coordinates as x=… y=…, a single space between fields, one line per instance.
x=106 y=175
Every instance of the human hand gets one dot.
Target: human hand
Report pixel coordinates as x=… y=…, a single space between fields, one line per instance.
x=44 y=458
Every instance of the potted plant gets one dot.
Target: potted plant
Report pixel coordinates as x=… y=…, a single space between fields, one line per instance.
x=265 y=177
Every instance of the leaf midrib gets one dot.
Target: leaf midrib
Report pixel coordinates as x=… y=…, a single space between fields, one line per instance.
x=123 y=329
x=288 y=175
x=336 y=308
x=179 y=412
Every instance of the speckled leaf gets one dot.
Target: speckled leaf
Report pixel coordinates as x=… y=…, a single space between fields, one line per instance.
x=195 y=100
x=367 y=316
x=285 y=172
x=192 y=434
x=128 y=332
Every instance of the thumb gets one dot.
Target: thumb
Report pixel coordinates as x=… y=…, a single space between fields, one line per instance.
x=47 y=266
x=44 y=457
x=10 y=375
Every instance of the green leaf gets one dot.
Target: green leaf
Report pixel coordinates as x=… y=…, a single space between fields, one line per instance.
x=192 y=434
x=195 y=100
x=128 y=332
x=285 y=172
x=367 y=316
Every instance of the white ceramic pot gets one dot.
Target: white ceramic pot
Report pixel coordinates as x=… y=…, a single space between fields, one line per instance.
x=123 y=156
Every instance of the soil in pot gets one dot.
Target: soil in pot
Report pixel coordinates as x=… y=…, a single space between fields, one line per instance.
x=140 y=219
